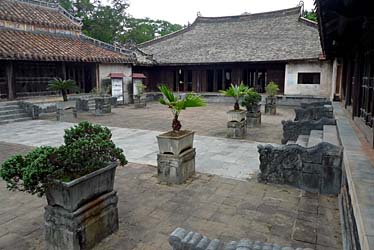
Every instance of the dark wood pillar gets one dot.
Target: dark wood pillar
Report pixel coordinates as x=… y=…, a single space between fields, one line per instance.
x=10 y=80
x=63 y=70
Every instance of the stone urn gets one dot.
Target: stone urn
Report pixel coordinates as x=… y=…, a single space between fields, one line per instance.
x=271 y=105
x=175 y=143
x=82 y=212
x=176 y=159
x=236 y=115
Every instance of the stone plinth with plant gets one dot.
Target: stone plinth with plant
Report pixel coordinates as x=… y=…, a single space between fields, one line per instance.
x=271 y=90
x=236 y=118
x=140 y=99
x=251 y=101
x=176 y=159
x=77 y=179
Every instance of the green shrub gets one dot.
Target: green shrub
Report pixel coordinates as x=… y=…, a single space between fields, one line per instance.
x=251 y=98
x=272 y=89
x=87 y=148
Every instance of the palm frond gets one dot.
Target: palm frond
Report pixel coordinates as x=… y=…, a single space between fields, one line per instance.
x=193 y=100
x=168 y=94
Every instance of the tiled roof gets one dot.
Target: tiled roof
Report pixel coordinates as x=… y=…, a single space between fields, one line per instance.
x=21 y=12
x=23 y=45
x=273 y=36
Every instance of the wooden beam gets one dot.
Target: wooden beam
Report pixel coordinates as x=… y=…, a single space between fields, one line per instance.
x=10 y=80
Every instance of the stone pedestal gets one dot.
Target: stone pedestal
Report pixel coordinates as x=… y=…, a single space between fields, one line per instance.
x=236 y=130
x=103 y=105
x=82 y=228
x=140 y=102
x=176 y=169
x=270 y=109
x=253 y=119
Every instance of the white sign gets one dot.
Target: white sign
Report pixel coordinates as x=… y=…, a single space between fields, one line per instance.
x=117 y=88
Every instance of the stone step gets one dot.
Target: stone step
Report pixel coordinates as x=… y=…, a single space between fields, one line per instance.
x=330 y=135
x=291 y=142
x=8 y=107
x=315 y=138
x=8 y=103
x=11 y=111
x=13 y=116
x=15 y=120
x=302 y=140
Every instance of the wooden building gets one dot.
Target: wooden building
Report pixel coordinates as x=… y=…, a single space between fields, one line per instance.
x=40 y=41
x=214 y=52
x=347 y=37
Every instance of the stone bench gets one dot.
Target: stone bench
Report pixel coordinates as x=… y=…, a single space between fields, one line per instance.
x=181 y=239
x=293 y=129
x=314 y=113
x=313 y=162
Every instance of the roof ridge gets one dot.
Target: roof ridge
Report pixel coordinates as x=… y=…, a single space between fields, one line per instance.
x=199 y=19
x=264 y=14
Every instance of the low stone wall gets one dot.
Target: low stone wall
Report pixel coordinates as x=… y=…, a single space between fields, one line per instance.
x=181 y=239
x=305 y=105
x=292 y=129
x=315 y=169
x=36 y=109
x=313 y=113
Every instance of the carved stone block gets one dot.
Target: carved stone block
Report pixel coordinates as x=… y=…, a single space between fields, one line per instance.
x=236 y=130
x=176 y=169
x=82 y=228
x=316 y=169
x=253 y=119
x=306 y=105
x=314 y=113
x=270 y=109
x=292 y=129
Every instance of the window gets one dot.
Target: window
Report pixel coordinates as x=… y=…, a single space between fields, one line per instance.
x=308 y=78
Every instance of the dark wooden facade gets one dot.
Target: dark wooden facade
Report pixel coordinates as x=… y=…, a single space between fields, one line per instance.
x=213 y=77
x=30 y=78
x=347 y=34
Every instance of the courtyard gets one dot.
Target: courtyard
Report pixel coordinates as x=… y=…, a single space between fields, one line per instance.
x=223 y=200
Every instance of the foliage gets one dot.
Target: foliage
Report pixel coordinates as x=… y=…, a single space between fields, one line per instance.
x=63 y=86
x=142 y=30
x=87 y=148
x=111 y=23
x=271 y=89
x=103 y=91
x=311 y=15
x=251 y=98
x=236 y=91
x=177 y=104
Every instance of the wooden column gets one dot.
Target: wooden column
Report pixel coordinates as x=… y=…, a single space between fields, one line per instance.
x=63 y=71
x=10 y=80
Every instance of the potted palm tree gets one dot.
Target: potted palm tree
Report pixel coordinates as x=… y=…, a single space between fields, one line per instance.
x=236 y=91
x=271 y=90
x=176 y=141
x=63 y=86
x=77 y=176
x=252 y=101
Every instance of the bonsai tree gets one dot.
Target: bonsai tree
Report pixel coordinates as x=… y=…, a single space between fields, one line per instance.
x=236 y=91
x=177 y=104
x=251 y=99
x=63 y=86
x=271 y=89
x=86 y=149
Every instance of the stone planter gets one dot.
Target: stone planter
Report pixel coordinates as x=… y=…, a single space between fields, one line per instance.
x=253 y=108
x=175 y=145
x=236 y=115
x=140 y=102
x=253 y=119
x=103 y=105
x=73 y=194
x=82 y=212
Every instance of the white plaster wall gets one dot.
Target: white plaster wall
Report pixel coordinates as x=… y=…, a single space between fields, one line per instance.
x=323 y=89
x=126 y=69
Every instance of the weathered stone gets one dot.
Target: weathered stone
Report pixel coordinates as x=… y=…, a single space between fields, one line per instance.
x=316 y=169
x=236 y=130
x=82 y=105
x=176 y=169
x=236 y=115
x=103 y=105
x=175 y=145
x=292 y=129
x=306 y=105
x=180 y=236
x=253 y=119
x=270 y=109
x=82 y=228
x=314 y=113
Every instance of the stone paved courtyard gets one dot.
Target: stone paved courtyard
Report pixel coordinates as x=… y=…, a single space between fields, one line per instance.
x=208 y=121
x=215 y=206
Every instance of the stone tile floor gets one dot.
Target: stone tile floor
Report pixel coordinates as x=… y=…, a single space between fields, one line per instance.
x=208 y=121
x=215 y=206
